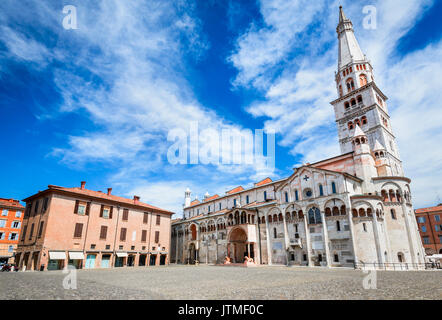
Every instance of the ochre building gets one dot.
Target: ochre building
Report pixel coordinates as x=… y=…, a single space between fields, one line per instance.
x=91 y=229
x=11 y=217
x=354 y=209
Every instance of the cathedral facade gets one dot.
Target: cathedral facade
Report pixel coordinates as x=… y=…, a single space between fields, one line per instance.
x=354 y=209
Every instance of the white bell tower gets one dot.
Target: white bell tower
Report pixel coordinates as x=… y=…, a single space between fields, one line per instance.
x=361 y=103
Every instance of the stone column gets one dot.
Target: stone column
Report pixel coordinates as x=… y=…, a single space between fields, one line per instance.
x=286 y=235
x=268 y=242
x=352 y=231
x=376 y=237
x=307 y=239
x=409 y=236
x=325 y=235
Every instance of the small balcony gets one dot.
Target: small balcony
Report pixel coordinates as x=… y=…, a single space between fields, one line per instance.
x=295 y=242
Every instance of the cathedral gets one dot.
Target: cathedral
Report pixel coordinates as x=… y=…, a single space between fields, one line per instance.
x=352 y=210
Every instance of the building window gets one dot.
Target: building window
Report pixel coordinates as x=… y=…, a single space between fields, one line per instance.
x=437 y=218
x=2 y=223
x=321 y=190
x=125 y=214
x=2 y=235
x=16 y=224
x=265 y=195
x=333 y=187
x=426 y=240
x=32 y=232
x=81 y=209
x=275 y=235
x=296 y=195
x=286 y=196
x=247 y=199
x=103 y=232
x=40 y=230
x=158 y=220
x=304 y=257
x=93 y=246
x=123 y=234
x=314 y=215
x=143 y=235
x=106 y=213
x=11 y=249
x=437 y=228
x=145 y=217
x=336 y=258
x=393 y=214
x=440 y=239
x=107 y=246
x=234 y=202
x=157 y=236
x=4 y=212
x=18 y=214
x=364 y=226
x=338 y=226
x=424 y=228
x=421 y=219
x=77 y=232
x=120 y=247
x=13 y=236
x=220 y=205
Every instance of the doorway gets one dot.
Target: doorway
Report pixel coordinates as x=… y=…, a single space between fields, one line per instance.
x=105 y=259
x=142 y=261
x=130 y=260
x=153 y=260
x=162 y=260
x=90 y=261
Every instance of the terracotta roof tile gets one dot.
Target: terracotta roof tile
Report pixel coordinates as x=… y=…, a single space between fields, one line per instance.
x=12 y=203
x=211 y=198
x=234 y=190
x=265 y=181
x=429 y=209
x=194 y=202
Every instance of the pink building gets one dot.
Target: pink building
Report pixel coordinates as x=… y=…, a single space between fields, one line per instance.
x=91 y=229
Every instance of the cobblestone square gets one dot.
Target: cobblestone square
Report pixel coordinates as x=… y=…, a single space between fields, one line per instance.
x=218 y=282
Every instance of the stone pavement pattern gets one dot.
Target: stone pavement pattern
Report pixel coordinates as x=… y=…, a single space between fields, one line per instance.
x=217 y=282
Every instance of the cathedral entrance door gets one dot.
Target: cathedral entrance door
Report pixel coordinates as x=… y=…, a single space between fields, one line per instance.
x=238 y=240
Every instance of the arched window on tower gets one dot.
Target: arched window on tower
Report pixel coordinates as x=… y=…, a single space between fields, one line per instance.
x=364 y=120
x=357 y=122
x=359 y=99
x=350 y=125
x=346 y=105
x=362 y=80
x=350 y=84
x=353 y=102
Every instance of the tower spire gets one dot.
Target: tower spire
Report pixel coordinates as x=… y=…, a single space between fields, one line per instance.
x=349 y=50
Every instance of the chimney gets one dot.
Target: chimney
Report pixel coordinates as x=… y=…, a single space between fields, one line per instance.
x=136 y=199
x=109 y=191
x=83 y=183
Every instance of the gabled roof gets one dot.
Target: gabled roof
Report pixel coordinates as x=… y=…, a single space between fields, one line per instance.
x=378 y=146
x=98 y=195
x=263 y=182
x=358 y=132
x=211 y=198
x=235 y=190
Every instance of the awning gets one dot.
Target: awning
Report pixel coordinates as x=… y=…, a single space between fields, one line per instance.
x=57 y=255
x=153 y=252
x=121 y=254
x=165 y=252
x=76 y=255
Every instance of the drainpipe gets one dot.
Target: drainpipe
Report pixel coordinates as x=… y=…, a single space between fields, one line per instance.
x=115 y=237
x=87 y=227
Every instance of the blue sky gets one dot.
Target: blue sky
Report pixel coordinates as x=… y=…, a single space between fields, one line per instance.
x=97 y=103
